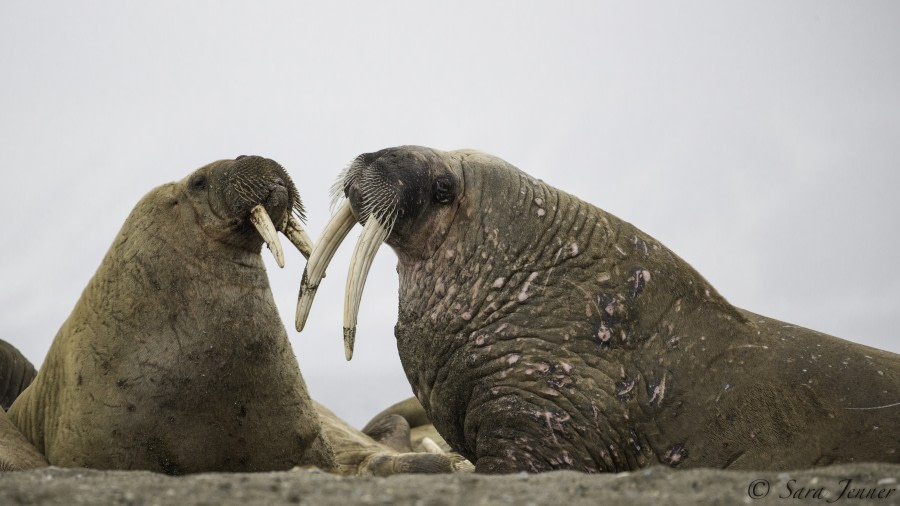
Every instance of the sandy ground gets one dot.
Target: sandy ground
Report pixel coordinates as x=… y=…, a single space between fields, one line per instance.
x=656 y=486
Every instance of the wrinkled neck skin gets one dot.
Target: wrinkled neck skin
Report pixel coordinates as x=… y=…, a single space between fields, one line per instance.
x=531 y=294
x=173 y=359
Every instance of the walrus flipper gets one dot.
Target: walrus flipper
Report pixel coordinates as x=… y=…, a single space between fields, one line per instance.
x=391 y=430
x=16 y=373
x=422 y=437
x=362 y=454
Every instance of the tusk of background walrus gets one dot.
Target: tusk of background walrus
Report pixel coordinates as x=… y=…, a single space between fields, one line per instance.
x=430 y=446
x=335 y=232
x=298 y=237
x=263 y=223
x=373 y=235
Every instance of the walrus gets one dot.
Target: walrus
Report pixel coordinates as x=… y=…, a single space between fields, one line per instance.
x=540 y=332
x=175 y=360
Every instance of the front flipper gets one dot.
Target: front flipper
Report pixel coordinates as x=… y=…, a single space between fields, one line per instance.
x=391 y=430
x=422 y=436
x=359 y=454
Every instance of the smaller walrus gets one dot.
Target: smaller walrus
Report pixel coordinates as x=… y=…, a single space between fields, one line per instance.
x=174 y=358
x=540 y=332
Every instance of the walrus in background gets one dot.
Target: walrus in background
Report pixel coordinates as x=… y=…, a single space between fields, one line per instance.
x=540 y=332
x=175 y=359
x=16 y=373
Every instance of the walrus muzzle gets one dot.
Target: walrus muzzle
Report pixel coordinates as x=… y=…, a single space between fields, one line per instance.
x=275 y=189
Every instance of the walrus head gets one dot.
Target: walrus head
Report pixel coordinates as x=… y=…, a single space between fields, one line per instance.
x=228 y=194
x=406 y=196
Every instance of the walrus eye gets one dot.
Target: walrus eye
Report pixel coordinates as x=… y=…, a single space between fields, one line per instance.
x=198 y=183
x=443 y=190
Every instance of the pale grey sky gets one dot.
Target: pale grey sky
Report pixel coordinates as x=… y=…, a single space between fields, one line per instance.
x=758 y=140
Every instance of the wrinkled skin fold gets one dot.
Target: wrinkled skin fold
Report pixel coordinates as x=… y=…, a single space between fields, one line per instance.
x=540 y=332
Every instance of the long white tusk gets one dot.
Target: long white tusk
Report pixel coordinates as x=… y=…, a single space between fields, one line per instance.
x=298 y=237
x=263 y=223
x=373 y=235
x=335 y=232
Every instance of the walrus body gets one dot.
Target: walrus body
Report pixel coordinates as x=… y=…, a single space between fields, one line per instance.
x=174 y=358
x=540 y=332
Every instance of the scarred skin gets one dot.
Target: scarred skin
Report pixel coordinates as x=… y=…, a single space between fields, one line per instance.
x=540 y=332
x=174 y=359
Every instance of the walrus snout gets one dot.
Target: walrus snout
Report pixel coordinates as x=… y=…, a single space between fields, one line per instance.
x=395 y=193
x=260 y=190
x=252 y=180
x=392 y=184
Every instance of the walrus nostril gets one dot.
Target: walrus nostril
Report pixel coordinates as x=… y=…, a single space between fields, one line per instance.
x=278 y=196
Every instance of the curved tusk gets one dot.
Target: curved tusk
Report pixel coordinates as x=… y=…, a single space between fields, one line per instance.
x=335 y=232
x=373 y=235
x=298 y=237
x=263 y=223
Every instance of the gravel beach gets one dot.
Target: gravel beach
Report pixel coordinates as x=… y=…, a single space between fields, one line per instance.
x=654 y=486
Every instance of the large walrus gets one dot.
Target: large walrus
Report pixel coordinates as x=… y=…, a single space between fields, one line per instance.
x=540 y=332
x=175 y=360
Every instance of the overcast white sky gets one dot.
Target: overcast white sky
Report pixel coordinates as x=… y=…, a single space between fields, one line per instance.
x=758 y=140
